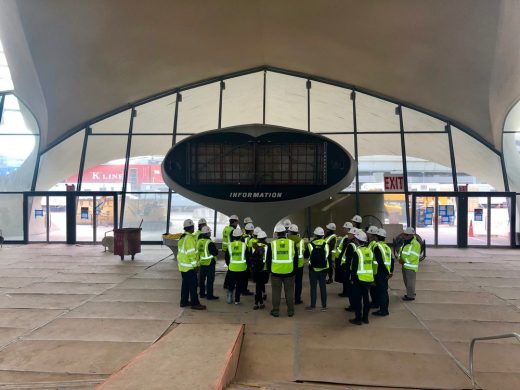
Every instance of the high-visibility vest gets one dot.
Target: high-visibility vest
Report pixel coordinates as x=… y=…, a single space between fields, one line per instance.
x=301 y=253
x=196 y=234
x=344 y=258
x=203 y=250
x=246 y=238
x=226 y=237
x=387 y=254
x=252 y=241
x=237 y=256
x=364 y=271
x=261 y=244
x=320 y=242
x=328 y=240
x=282 y=251
x=187 y=256
x=371 y=245
x=410 y=254
x=339 y=248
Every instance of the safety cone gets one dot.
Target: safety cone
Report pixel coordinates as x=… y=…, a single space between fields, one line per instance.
x=470 y=230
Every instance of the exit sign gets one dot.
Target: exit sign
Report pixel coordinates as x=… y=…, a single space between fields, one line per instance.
x=394 y=183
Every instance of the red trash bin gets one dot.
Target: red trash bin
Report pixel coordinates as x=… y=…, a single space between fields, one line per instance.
x=127 y=241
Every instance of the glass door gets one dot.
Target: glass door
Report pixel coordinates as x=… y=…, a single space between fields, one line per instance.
x=425 y=216
x=85 y=219
x=500 y=221
x=446 y=220
x=478 y=220
x=104 y=213
x=47 y=218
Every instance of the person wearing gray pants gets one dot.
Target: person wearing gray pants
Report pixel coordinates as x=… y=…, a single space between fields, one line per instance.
x=288 y=288
x=409 y=281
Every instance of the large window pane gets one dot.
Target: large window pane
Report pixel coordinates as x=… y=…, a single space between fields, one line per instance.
x=151 y=209
x=242 y=100
x=182 y=208
x=17 y=161
x=146 y=155
x=347 y=141
x=155 y=116
x=198 y=110
x=16 y=118
x=286 y=101
x=104 y=163
x=119 y=123
x=375 y=114
x=417 y=121
x=11 y=221
x=331 y=109
x=378 y=154
x=511 y=150
x=500 y=214
x=60 y=165
x=477 y=165
x=428 y=162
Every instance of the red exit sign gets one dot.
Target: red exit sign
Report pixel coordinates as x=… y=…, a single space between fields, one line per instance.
x=394 y=183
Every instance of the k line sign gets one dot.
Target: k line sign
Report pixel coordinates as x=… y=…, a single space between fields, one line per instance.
x=394 y=183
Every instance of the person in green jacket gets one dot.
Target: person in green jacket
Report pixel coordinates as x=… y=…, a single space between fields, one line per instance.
x=408 y=256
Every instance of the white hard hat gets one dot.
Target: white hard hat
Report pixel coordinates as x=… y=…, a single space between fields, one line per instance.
x=353 y=230
x=261 y=234
x=357 y=218
x=237 y=232
x=372 y=230
x=293 y=228
x=188 y=223
x=257 y=230
x=205 y=230
x=235 y=217
x=381 y=233
x=201 y=221
x=348 y=225
x=331 y=226
x=279 y=229
x=361 y=235
x=248 y=220
x=249 y=226
x=286 y=223
x=409 y=230
x=319 y=231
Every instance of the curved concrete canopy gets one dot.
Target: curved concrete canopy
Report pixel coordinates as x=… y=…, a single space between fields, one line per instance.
x=77 y=59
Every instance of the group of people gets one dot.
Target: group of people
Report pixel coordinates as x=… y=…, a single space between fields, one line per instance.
x=361 y=261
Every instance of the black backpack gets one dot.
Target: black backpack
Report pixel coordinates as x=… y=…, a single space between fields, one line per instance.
x=318 y=256
x=258 y=258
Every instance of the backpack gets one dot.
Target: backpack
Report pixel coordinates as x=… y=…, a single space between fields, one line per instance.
x=258 y=258
x=318 y=257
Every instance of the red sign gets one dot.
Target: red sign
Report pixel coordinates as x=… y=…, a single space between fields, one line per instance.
x=394 y=183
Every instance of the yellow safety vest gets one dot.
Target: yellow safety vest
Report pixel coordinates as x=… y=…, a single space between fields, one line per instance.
x=387 y=254
x=329 y=239
x=365 y=272
x=282 y=251
x=237 y=256
x=251 y=242
x=371 y=245
x=187 y=256
x=344 y=259
x=339 y=248
x=203 y=251
x=226 y=237
x=410 y=253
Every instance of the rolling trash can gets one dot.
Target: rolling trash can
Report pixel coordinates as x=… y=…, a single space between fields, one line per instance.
x=127 y=241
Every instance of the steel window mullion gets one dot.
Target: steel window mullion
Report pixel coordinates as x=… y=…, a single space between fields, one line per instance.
x=127 y=163
x=452 y=158
x=356 y=154
x=489 y=221
x=222 y=87
x=264 y=97
x=504 y=172
x=309 y=86
x=88 y=131
x=405 y=167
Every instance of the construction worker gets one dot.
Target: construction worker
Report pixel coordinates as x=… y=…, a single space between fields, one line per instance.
x=208 y=253
x=346 y=264
x=356 y=221
x=340 y=250
x=248 y=220
x=408 y=256
x=287 y=224
x=260 y=273
x=385 y=269
x=235 y=258
x=282 y=261
x=362 y=277
x=202 y=222
x=227 y=231
x=302 y=254
x=372 y=242
x=188 y=262
x=248 y=232
x=319 y=261
x=331 y=239
x=254 y=239
x=246 y=236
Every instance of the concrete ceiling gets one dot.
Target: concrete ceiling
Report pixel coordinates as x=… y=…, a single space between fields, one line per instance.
x=72 y=60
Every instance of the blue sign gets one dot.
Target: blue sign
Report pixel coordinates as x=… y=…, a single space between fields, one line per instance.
x=84 y=213
x=478 y=215
x=38 y=213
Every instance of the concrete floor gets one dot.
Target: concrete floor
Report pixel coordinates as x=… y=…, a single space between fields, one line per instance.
x=72 y=315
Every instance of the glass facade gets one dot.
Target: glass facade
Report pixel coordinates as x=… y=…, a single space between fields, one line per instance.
x=123 y=151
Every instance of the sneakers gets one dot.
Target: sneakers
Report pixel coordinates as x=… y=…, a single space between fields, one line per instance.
x=274 y=314
x=255 y=307
x=290 y=314
x=212 y=298
x=237 y=303
x=198 y=307
x=407 y=298
x=310 y=308
x=324 y=309
x=355 y=322
x=229 y=297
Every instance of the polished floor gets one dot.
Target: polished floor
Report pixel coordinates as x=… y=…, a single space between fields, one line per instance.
x=72 y=315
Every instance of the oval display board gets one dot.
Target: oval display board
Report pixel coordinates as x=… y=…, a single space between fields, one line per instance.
x=257 y=164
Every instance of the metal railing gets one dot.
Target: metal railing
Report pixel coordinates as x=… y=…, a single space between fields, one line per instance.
x=472 y=346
